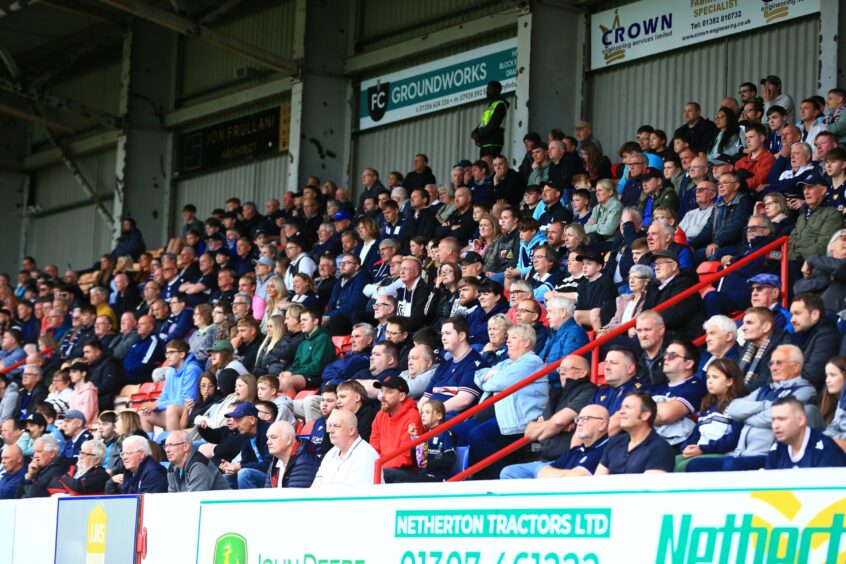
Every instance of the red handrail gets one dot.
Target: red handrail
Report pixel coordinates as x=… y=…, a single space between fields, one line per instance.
x=18 y=364
x=705 y=281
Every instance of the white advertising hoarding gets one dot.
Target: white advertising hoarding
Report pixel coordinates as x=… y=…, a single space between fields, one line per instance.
x=650 y=27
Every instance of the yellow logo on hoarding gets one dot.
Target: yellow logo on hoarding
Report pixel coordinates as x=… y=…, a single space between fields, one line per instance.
x=230 y=548
x=777 y=12
x=95 y=546
x=612 y=54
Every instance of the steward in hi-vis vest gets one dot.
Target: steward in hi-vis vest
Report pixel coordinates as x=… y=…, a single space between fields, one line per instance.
x=490 y=134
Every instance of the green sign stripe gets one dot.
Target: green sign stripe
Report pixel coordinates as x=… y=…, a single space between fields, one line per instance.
x=523 y=494
x=445 y=81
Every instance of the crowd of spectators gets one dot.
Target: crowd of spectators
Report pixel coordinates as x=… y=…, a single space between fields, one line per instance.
x=294 y=347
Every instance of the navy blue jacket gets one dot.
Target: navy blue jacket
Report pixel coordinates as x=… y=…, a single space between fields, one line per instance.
x=478 y=321
x=9 y=483
x=727 y=225
x=151 y=477
x=343 y=369
x=348 y=298
x=141 y=359
x=249 y=458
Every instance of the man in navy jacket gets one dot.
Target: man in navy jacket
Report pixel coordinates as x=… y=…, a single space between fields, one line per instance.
x=347 y=296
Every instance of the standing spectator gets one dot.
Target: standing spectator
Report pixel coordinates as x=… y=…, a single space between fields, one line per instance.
x=639 y=449
x=490 y=133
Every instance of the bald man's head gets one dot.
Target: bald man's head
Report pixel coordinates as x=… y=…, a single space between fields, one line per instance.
x=280 y=439
x=12 y=458
x=592 y=424
x=573 y=367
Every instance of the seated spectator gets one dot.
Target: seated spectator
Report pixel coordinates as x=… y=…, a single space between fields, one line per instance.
x=495 y=351
x=351 y=461
x=605 y=215
x=352 y=396
x=685 y=317
x=143 y=473
x=491 y=302
x=11 y=352
x=47 y=464
x=755 y=409
x=797 y=445
x=312 y=356
x=695 y=219
x=144 y=355
x=207 y=396
x=288 y=469
x=251 y=469
x=531 y=237
x=415 y=297
x=826 y=275
x=651 y=333
x=817 y=222
x=347 y=296
x=728 y=140
x=460 y=222
x=75 y=433
x=544 y=275
x=180 y=385
x=189 y=470
x=833 y=402
x=31 y=392
x=529 y=312
x=723 y=232
x=596 y=291
x=383 y=363
x=421 y=368
x=660 y=236
x=638 y=449
x=453 y=382
x=720 y=342
x=774 y=206
x=119 y=346
x=621 y=378
x=656 y=194
x=591 y=429
x=566 y=336
x=391 y=426
x=716 y=433
x=553 y=210
x=435 y=458
x=629 y=306
x=762 y=336
x=247 y=341
x=733 y=290
x=104 y=372
x=88 y=476
x=84 y=395
x=515 y=411
x=12 y=460
x=679 y=398
x=354 y=361
x=816 y=334
x=103 y=330
x=581 y=206
x=554 y=429
x=757 y=161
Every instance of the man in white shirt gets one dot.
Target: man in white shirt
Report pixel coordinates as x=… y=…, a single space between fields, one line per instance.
x=352 y=460
x=694 y=220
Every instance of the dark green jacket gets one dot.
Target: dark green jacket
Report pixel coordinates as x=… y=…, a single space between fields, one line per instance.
x=810 y=236
x=313 y=354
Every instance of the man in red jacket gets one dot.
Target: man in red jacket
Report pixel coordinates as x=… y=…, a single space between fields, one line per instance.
x=390 y=427
x=758 y=160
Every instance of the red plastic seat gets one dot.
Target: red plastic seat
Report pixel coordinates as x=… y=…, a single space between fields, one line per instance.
x=343 y=344
x=303 y=394
x=599 y=377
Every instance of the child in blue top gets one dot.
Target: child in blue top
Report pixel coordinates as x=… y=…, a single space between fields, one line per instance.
x=436 y=457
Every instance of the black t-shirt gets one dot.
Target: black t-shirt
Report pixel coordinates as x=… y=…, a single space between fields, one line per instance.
x=654 y=453
x=595 y=294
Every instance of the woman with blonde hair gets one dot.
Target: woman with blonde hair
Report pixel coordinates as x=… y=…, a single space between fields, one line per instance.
x=277 y=296
x=268 y=357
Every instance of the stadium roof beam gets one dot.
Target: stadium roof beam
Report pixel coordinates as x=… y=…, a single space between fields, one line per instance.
x=68 y=59
x=58 y=102
x=204 y=33
x=34 y=119
x=220 y=11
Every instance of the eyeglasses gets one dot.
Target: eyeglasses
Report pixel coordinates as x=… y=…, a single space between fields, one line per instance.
x=524 y=310
x=171 y=352
x=393 y=333
x=586 y=418
x=565 y=368
x=83 y=453
x=755 y=227
x=239 y=303
x=343 y=262
x=380 y=305
x=674 y=356
x=171 y=445
x=130 y=452
x=780 y=362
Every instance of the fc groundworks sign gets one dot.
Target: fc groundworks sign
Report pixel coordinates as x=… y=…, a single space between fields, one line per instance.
x=531 y=523
x=436 y=86
x=641 y=29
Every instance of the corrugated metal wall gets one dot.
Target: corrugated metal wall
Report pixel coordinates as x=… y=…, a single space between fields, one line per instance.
x=654 y=90
x=98 y=88
x=255 y=181
x=206 y=67
x=76 y=236
x=383 y=19
x=443 y=136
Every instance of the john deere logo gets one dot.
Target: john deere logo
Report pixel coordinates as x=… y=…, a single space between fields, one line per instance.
x=377 y=100
x=777 y=12
x=230 y=548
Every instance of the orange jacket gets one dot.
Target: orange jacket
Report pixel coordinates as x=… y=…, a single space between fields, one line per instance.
x=389 y=432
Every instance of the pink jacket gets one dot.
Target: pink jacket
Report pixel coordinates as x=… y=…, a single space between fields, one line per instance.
x=84 y=398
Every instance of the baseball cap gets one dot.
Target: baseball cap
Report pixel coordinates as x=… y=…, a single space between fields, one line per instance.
x=812 y=179
x=771 y=78
x=582 y=124
x=341 y=215
x=463 y=163
x=592 y=255
x=394 y=382
x=243 y=410
x=266 y=261
x=222 y=345
x=651 y=172
x=293 y=220
x=765 y=280
x=75 y=414
x=36 y=419
x=666 y=254
x=471 y=257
